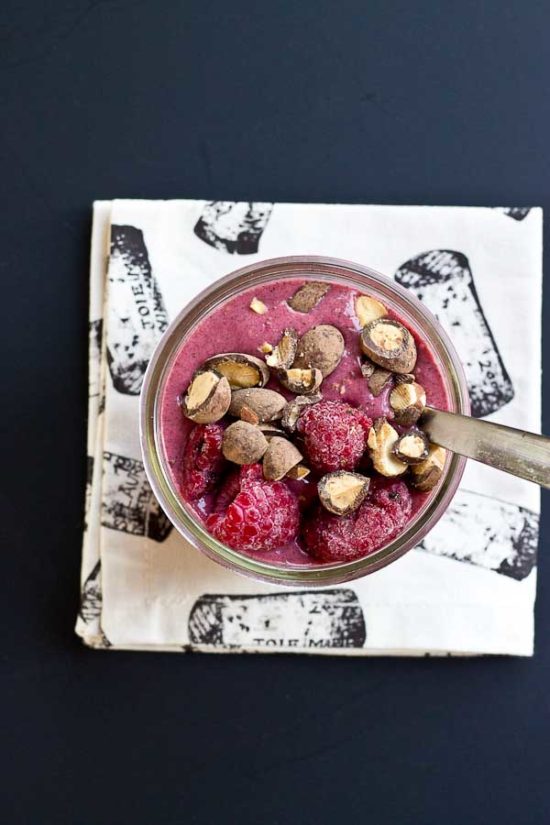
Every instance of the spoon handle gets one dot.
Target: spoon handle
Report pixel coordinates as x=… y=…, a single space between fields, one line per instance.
x=522 y=454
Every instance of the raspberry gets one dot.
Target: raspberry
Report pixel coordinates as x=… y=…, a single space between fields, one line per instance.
x=203 y=460
x=343 y=538
x=263 y=515
x=335 y=435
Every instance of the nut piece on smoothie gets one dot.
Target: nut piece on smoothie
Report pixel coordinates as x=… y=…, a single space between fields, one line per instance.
x=404 y=378
x=243 y=443
x=282 y=357
x=267 y=404
x=381 y=441
x=412 y=447
x=308 y=296
x=407 y=402
x=301 y=381
x=207 y=398
x=342 y=492
x=425 y=476
x=368 y=309
x=240 y=369
x=258 y=306
x=292 y=410
x=389 y=344
x=321 y=348
x=280 y=457
x=378 y=380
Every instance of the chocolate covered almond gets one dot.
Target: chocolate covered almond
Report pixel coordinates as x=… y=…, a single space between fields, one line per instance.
x=369 y=309
x=390 y=345
x=243 y=443
x=321 y=347
x=342 y=492
x=308 y=296
x=381 y=441
x=282 y=356
x=292 y=410
x=407 y=402
x=207 y=398
x=241 y=370
x=426 y=475
x=279 y=458
x=301 y=381
x=412 y=447
x=267 y=404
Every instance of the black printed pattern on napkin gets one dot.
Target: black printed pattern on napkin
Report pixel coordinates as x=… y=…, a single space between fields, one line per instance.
x=137 y=313
x=128 y=503
x=443 y=280
x=95 y=332
x=486 y=532
x=233 y=226
x=88 y=492
x=518 y=213
x=91 y=596
x=310 y=619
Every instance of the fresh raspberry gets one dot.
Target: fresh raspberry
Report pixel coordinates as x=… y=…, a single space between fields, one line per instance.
x=382 y=515
x=335 y=435
x=203 y=460
x=263 y=515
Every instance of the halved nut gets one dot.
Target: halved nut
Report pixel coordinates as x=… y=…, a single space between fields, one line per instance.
x=293 y=409
x=207 y=398
x=320 y=348
x=389 y=344
x=381 y=441
x=249 y=415
x=299 y=472
x=413 y=447
x=405 y=378
x=341 y=492
x=240 y=369
x=301 y=381
x=426 y=475
x=308 y=296
x=258 y=306
x=267 y=404
x=407 y=402
x=378 y=381
x=284 y=353
x=280 y=457
x=369 y=309
x=243 y=443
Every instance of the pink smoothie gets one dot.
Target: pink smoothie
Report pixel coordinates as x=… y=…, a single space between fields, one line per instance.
x=234 y=327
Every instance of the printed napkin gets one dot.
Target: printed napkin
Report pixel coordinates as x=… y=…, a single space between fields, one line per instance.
x=468 y=588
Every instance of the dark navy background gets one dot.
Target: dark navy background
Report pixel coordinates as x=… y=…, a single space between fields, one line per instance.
x=372 y=101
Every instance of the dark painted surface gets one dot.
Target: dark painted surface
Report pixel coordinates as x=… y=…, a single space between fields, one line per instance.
x=381 y=102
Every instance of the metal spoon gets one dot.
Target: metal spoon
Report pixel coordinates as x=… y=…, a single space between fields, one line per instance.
x=522 y=454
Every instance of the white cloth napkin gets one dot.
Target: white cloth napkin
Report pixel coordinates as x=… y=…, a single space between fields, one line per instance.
x=469 y=588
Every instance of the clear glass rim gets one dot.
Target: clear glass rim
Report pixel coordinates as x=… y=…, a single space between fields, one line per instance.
x=300 y=266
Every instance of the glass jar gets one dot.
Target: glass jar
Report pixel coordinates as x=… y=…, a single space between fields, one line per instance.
x=333 y=271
